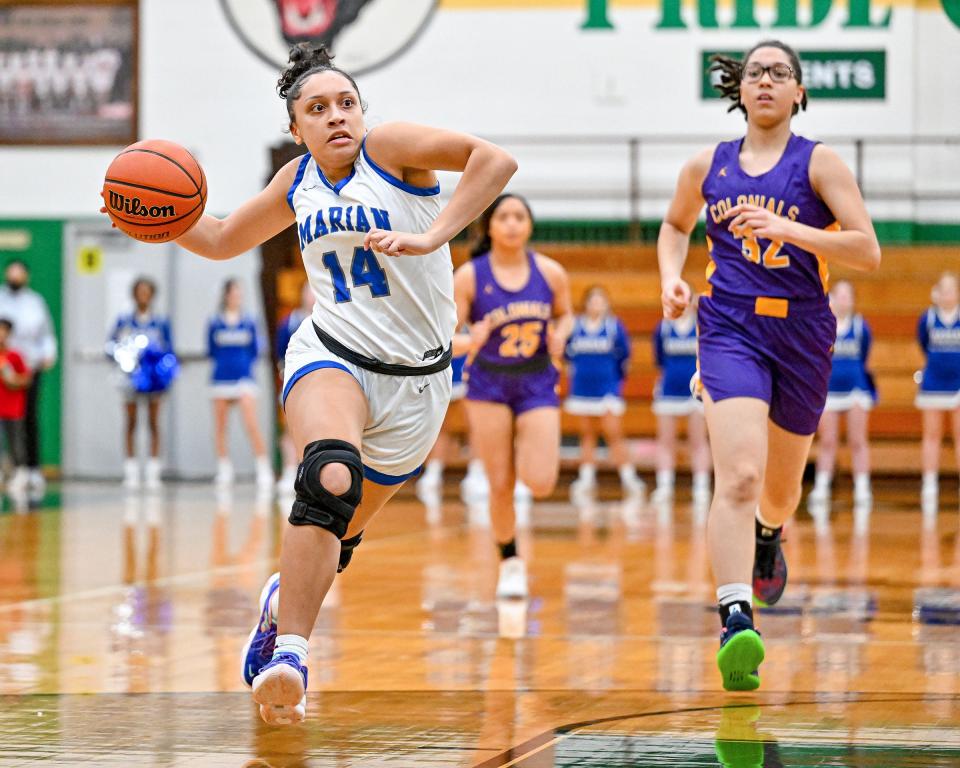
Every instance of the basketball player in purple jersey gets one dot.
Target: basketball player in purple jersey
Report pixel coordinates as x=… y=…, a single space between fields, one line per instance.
x=779 y=208
x=518 y=305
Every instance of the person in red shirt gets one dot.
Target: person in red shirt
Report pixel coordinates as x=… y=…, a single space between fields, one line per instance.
x=15 y=377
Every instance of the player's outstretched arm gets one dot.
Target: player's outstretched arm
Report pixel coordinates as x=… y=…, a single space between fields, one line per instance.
x=256 y=221
x=674 y=239
x=408 y=150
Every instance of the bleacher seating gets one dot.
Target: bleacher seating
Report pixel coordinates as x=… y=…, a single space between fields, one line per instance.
x=891 y=299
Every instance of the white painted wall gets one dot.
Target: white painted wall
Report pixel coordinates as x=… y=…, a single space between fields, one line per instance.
x=500 y=72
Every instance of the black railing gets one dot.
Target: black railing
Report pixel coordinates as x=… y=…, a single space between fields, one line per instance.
x=638 y=186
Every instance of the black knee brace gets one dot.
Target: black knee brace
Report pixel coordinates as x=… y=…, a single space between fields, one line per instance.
x=346 y=550
x=315 y=505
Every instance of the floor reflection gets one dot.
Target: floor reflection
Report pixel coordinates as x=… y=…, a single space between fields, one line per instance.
x=414 y=662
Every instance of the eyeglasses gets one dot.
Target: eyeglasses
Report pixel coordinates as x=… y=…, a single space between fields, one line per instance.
x=779 y=72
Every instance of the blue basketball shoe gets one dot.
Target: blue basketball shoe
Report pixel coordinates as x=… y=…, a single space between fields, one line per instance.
x=281 y=690
x=259 y=648
x=740 y=654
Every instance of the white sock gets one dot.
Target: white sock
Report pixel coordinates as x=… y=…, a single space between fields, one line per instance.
x=734 y=593
x=628 y=473
x=666 y=478
x=434 y=469
x=861 y=482
x=292 y=644
x=701 y=481
x=588 y=473
x=823 y=480
x=475 y=468
x=769 y=526
x=931 y=480
x=224 y=465
x=264 y=465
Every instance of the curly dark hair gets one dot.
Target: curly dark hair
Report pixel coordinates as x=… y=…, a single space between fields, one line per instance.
x=306 y=60
x=731 y=73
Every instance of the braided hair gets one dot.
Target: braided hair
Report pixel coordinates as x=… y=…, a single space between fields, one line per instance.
x=730 y=73
x=483 y=242
x=306 y=60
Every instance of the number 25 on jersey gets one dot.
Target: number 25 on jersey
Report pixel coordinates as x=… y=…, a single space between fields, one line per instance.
x=521 y=339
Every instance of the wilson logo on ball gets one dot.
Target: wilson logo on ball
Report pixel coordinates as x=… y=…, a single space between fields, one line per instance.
x=133 y=207
x=154 y=191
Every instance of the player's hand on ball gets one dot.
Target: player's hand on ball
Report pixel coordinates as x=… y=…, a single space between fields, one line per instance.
x=675 y=298
x=753 y=221
x=103 y=210
x=398 y=243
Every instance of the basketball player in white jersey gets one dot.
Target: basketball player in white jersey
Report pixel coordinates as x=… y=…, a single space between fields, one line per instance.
x=367 y=377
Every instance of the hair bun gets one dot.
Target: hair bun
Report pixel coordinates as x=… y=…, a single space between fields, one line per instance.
x=303 y=57
x=308 y=53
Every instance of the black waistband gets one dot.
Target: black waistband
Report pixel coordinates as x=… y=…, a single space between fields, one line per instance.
x=378 y=366
x=533 y=365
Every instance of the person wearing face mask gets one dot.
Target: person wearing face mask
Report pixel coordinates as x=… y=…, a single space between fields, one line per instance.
x=33 y=336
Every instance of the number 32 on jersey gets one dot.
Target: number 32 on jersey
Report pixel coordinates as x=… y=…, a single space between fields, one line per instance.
x=770 y=258
x=750 y=248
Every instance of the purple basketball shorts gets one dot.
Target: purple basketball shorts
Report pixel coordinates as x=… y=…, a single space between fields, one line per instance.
x=520 y=392
x=763 y=349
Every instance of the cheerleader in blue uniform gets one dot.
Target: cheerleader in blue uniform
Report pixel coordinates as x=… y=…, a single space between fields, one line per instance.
x=851 y=392
x=599 y=353
x=233 y=346
x=285 y=330
x=939 y=334
x=141 y=343
x=675 y=352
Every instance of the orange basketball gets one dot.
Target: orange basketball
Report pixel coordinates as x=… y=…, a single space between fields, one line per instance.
x=154 y=190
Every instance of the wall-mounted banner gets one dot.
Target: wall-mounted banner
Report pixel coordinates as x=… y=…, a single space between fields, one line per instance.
x=826 y=74
x=756 y=14
x=363 y=34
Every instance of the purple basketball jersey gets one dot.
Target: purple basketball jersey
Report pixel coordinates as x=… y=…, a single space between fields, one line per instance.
x=754 y=266
x=518 y=319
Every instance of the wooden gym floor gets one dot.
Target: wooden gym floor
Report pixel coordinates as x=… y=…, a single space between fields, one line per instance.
x=122 y=618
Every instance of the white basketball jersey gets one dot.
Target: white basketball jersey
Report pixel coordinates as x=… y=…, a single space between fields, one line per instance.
x=398 y=310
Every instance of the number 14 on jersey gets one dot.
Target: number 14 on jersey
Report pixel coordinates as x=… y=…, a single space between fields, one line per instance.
x=364 y=270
